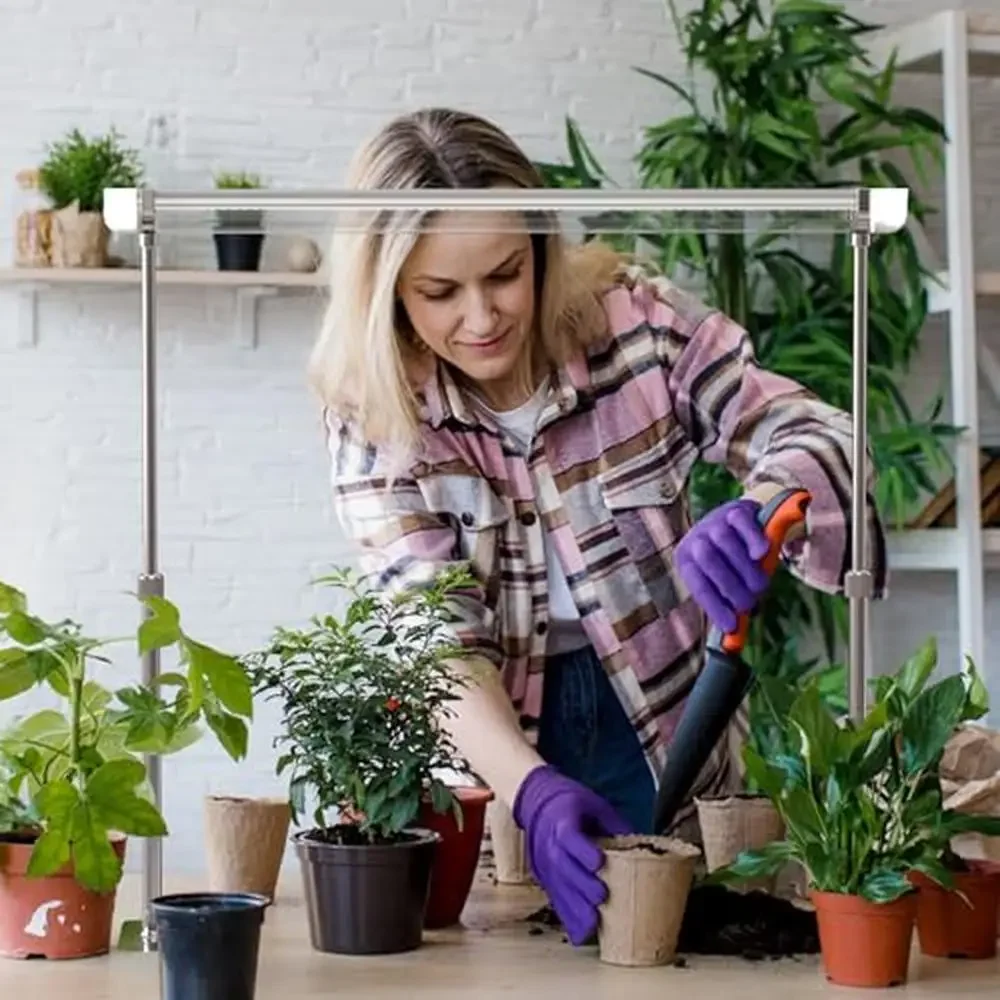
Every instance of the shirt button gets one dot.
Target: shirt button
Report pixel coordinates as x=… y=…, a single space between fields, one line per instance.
x=468 y=520
x=541 y=628
x=528 y=518
x=665 y=489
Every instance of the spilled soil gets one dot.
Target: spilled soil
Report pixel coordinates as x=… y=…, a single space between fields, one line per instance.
x=753 y=926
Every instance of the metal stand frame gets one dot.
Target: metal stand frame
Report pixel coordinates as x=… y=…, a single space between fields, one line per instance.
x=869 y=211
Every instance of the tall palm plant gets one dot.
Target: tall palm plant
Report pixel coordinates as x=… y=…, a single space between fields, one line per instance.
x=788 y=98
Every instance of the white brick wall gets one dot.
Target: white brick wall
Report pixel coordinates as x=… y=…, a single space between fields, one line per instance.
x=287 y=88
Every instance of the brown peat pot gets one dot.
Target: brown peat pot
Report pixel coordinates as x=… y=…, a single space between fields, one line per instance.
x=365 y=899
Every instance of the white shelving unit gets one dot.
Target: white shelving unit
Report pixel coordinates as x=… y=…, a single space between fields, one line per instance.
x=956 y=45
x=249 y=288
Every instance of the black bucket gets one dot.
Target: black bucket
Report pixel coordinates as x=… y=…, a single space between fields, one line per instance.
x=208 y=944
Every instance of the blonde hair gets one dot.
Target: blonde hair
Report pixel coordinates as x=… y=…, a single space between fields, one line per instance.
x=363 y=363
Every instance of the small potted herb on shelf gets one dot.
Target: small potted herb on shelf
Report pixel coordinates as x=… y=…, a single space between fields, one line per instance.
x=239 y=233
x=364 y=696
x=75 y=785
x=73 y=177
x=862 y=810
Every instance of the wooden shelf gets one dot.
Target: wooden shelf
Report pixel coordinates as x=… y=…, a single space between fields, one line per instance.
x=987 y=285
x=919 y=44
x=164 y=276
x=936 y=549
x=248 y=286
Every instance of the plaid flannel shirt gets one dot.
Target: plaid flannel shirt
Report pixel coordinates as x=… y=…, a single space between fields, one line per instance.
x=625 y=421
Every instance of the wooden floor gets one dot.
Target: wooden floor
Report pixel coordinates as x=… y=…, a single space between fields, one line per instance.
x=494 y=954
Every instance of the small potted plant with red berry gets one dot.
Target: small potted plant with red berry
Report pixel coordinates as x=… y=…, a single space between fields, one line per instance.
x=364 y=695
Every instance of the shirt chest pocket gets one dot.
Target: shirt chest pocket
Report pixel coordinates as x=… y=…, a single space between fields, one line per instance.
x=645 y=498
x=477 y=514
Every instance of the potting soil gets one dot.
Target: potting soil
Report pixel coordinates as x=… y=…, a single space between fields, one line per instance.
x=753 y=926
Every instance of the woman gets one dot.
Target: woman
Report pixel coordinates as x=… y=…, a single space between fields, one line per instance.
x=493 y=396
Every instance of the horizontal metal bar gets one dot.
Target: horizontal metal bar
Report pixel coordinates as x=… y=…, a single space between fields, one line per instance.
x=888 y=206
x=821 y=200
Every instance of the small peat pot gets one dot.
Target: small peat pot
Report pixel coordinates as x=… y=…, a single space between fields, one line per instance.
x=734 y=823
x=457 y=855
x=648 y=879
x=54 y=916
x=865 y=944
x=245 y=842
x=959 y=922
x=209 y=944
x=364 y=898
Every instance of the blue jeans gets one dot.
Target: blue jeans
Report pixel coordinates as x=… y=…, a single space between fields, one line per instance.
x=585 y=734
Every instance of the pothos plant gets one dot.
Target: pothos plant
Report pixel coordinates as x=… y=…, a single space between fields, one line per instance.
x=784 y=95
x=364 y=696
x=862 y=803
x=73 y=776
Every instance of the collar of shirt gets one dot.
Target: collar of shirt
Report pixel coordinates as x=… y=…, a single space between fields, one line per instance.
x=444 y=399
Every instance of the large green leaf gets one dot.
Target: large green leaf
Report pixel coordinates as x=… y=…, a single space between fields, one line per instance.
x=16 y=673
x=224 y=675
x=114 y=803
x=930 y=722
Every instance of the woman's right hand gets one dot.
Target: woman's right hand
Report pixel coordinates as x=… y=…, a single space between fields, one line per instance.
x=561 y=820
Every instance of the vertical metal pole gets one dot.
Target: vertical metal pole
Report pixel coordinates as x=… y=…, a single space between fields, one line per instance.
x=859 y=582
x=150 y=580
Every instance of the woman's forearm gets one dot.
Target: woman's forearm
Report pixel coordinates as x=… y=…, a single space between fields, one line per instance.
x=486 y=732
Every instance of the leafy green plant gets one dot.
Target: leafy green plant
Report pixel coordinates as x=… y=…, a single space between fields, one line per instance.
x=72 y=776
x=241 y=180
x=862 y=803
x=363 y=698
x=240 y=219
x=78 y=169
x=787 y=97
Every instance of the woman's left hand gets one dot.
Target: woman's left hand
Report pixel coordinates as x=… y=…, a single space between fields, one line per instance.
x=719 y=560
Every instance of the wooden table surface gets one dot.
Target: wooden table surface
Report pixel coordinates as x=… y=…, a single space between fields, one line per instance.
x=494 y=954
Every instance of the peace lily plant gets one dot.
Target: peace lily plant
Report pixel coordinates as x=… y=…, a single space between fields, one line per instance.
x=862 y=802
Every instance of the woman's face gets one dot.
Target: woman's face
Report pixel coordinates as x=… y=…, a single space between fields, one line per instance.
x=468 y=289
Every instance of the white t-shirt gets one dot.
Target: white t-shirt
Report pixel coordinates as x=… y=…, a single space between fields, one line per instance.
x=565 y=629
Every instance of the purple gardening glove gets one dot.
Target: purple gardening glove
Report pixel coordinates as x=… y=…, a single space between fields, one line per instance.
x=560 y=819
x=719 y=562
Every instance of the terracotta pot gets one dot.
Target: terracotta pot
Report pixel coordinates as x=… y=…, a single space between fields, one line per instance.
x=52 y=917
x=457 y=855
x=865 y=944
x=734 y=823
x=245 y=843
x=950 y=926
x=648 y=880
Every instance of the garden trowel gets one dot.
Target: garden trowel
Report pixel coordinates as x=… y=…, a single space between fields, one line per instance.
x=725 y=679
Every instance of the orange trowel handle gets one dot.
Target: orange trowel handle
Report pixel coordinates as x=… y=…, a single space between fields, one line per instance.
x=783 y=519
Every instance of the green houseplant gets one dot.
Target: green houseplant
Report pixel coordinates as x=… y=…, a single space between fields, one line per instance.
x=957 y=907
x=863 y=812
x=239 y=236
x=363 y=699
x=74 y=782
x=73 y=176
x=785 y=96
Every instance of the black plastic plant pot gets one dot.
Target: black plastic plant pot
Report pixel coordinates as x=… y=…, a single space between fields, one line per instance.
x=238 y=251
x=208 y=944
x=366 y=899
